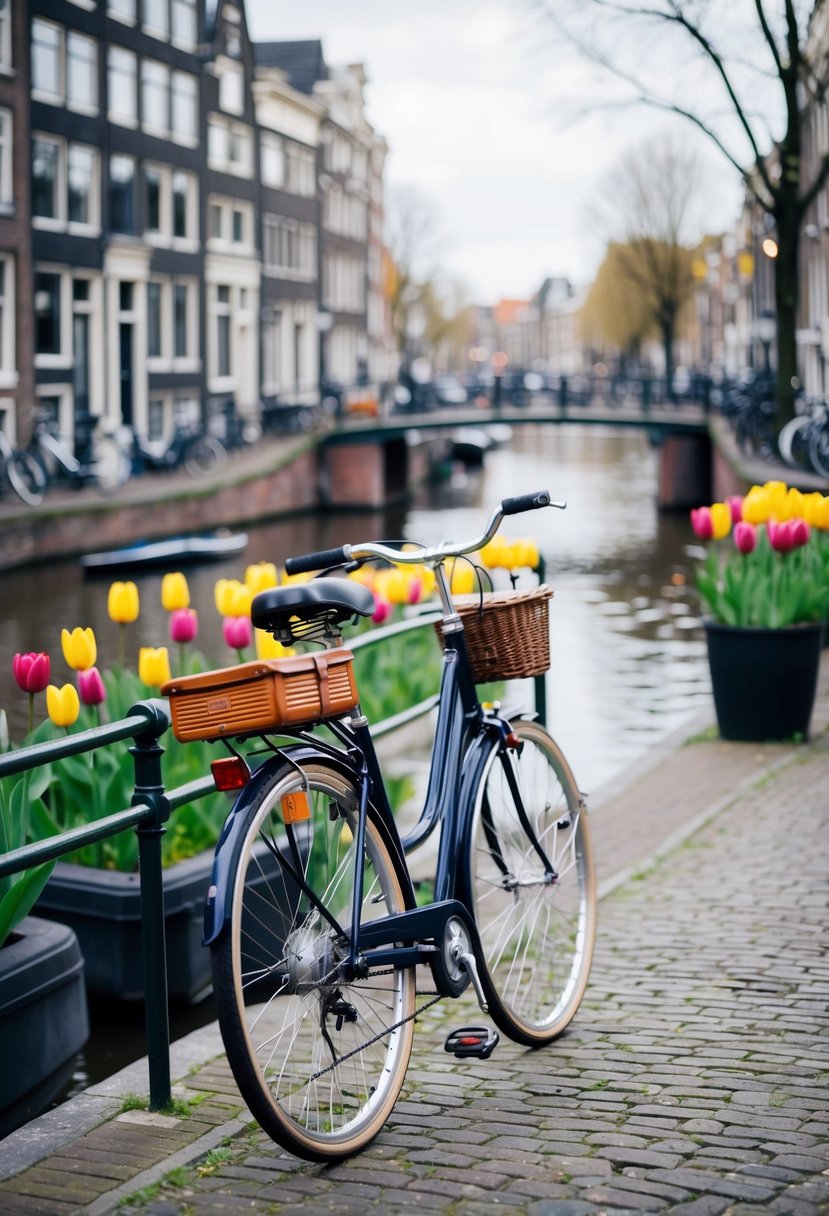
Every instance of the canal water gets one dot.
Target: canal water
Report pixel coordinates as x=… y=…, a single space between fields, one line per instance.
x=628 y=652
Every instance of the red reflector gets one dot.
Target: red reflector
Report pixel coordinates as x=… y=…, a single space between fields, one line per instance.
x=230 y=773
x=468 y=1040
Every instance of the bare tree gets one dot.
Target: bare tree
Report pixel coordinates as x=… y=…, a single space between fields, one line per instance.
x=413 y=241
x=744 y=74
x=646 y=207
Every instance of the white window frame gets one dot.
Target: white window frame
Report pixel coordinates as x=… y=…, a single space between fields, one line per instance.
x=189 y=361
x=272 y=154
x=93 y=224
x=9 y=375
x=82 y=107
x=6 y=161
x=189 y=99
x=188 y=41
x=123 y=120
x=55 y=95
x=224 y=161
x=57 y=221
x=162 y=31
x=155 y=86
x=231 y=87
x=6 y=38
x=64 y=357
x=125 y=13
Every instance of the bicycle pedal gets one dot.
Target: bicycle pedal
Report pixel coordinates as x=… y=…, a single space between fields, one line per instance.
x=477 y=1041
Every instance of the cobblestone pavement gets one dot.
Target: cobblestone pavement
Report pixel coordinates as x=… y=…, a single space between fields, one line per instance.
x=693 y=1080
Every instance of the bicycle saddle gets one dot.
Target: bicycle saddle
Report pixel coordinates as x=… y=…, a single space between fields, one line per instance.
x=285 y=611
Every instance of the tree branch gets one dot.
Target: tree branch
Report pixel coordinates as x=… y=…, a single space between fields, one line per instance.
x=769 y=36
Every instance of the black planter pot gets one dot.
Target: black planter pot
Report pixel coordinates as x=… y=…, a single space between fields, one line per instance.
x=764 y=680
x=43 y=1018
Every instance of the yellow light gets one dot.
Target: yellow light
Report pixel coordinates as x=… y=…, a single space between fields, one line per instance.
x=770 y=247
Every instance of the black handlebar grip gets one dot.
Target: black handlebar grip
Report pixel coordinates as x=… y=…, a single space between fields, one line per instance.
x=525 y=502
x=316 y=561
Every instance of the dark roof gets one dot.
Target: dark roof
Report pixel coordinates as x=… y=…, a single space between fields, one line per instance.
x=303 y=62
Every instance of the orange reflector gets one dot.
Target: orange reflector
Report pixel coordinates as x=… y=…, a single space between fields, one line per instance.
x=295 y=807
x=230 y=773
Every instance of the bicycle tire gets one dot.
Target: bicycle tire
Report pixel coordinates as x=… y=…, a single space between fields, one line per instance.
x=319 y=1064
x=819 y=450
x=109 y=465
x=793 y=442
x=537 y=936
x=204 y=455
x=26 y=477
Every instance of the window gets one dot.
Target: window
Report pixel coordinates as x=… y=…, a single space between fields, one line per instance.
x=45 y=178
x=215 y=221
x=47 y=314
x=155 y=418
x=155 y=95
x=80 y=184
x=6 y=194
x=272 y=155
x=81 y=71
x=5 y=34
x=123 y=104
x=222 y=315
x=289 y=248
x=180 y=344
x=229 y=146
x=232 y=88
x=238 y=226
x=47 y=78
x=125 y=9
x=153 y=180
x=184 y=118
x=231 y=222
x=183 y=13
x=180 y=193
x=153 y=320
x=121 y=193
x=154 y=16
x=300 y=175
x=8 y=360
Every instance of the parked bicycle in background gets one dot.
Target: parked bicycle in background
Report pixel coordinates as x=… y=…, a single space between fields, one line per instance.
x=23 y=473
x=101 y=463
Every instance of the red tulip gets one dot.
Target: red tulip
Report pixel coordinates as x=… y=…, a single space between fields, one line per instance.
x=238 y=632
x=382 y=611
x=745 y=536
x=701 y=523
x=780 y=535
x=800 y=532
x=32 y=671
x=91 y=686
x=184 y=625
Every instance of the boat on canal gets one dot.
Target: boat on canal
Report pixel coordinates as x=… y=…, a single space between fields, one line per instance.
x=180 y=550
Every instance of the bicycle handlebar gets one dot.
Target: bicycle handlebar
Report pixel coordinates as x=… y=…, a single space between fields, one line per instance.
x=326 y=558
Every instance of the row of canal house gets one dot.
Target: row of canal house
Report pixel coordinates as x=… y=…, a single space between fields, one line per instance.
x=189 y=221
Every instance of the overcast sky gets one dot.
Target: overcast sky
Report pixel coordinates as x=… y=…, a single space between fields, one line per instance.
x=461 y=89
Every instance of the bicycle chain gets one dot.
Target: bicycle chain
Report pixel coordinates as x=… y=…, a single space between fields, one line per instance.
x=382 y=1034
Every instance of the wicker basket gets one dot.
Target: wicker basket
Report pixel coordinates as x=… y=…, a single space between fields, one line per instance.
x=507 y=633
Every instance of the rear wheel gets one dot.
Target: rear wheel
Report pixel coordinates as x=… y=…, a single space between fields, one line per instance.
x=537 y=927
x=318 y=1057
x=204 y=455
x=26 y=477
x=819 y=449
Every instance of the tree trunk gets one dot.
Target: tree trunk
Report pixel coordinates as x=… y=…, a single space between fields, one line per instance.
x=667 y=326
x=786 y=283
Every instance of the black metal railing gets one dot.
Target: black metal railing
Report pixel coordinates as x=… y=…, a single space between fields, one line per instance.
x=150 y=808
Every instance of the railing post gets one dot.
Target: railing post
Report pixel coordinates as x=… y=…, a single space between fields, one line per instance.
x=540 y=682
x=149 y=790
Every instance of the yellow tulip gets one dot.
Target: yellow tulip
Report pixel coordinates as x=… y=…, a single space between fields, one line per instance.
x=720 y=520
x=365 y=575
x=175 y=593
x=63 y=704
x=526 y=554
x=260 y=577
x=287 y=579
x=154 y=666
x=79 y=648
x=428 y=581
x=812 y=504
x=393 y=585
x=821 y=514
x=267 y=646
x=795 y=506
x=123 y=603
x=232 y=597
x=494 y=554
x=462 y=578
x=778 y=505
x=757 y=505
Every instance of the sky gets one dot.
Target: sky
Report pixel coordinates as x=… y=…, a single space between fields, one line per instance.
x=461 y=90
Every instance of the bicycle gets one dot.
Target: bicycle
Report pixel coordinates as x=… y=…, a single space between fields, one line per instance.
x=191 y=448
x=802 y=434
x=102 y=464
x=22 y=472
x=311 y=918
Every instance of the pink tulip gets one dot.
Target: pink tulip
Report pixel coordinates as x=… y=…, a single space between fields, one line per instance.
x=382 y=611
x=701 y=523
x=237 y=631
x=32 y=671
x=184 y=625
x=800 y=532
x=780 y=535
x=91 y=686
x=735 y=506
x=745 y=536
x=415 y=591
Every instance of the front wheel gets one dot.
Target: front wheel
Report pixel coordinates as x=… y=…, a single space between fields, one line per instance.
x=204 y=455
x=318 y=1056
x=819 y=450
x=26 y=477
x=537 y=923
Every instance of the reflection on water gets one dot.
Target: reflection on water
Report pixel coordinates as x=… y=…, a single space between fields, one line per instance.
x=628 y=657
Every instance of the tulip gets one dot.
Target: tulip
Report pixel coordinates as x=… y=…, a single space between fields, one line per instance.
x=184 y=625
x=267 y=646
x=261 y=577
x=382 y=610
x=415 y=590
x=175 y=593
x=800 y=532
x=238 y=633
x=720 y=520
x=745 y=536
x=364 y=575
x=154 y=666
x=493 y=555
x=701 y=523
x=757 y=505
x=232 y=597
x=735 y=506
x=462 y=578
x=780 y=535
x=91 y=687
x=122 y=603
x=79 y=648
x=525 y=554
x=32 y=672
x=63 y=704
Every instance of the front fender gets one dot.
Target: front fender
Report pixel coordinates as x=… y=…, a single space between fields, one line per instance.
x=228 y=848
